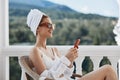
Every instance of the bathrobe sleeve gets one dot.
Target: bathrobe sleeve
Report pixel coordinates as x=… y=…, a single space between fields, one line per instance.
x=60 y=68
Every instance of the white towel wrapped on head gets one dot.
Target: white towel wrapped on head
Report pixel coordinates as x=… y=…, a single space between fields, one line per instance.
x=33 y=19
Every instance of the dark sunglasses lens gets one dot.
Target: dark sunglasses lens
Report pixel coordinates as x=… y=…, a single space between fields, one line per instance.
x=49 y=25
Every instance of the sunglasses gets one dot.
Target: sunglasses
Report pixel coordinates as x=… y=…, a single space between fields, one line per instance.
x=48 y=25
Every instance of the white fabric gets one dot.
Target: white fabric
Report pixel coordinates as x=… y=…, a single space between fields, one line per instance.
x=68 y=72
x=33 y=19
x=55 y=68
x=116 y=31
x=65 y=61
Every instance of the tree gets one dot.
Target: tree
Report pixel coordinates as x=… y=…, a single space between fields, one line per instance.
x=15 y=70
x=104 y=61
x=87 y=65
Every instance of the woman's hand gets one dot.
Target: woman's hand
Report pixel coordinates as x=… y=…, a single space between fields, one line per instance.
x=72 y=54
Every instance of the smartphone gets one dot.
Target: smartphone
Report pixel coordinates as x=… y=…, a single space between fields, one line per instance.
x=77 y=42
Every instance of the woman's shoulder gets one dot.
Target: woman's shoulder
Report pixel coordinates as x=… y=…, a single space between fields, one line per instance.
x=35 y=51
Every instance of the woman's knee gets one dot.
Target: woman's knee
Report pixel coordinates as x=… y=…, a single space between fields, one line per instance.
x=108 y=68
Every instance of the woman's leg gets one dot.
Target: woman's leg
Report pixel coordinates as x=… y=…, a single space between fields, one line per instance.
x=104 y=73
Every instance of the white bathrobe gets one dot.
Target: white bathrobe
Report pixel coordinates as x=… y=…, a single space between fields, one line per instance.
x=56 y=68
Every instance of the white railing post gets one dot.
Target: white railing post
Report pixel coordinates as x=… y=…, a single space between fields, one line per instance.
x=114 y=61
x=0 y=40
x=79 y=64
x=119 y=68
x=1 y=28
x=3 y=39
x=96 y=61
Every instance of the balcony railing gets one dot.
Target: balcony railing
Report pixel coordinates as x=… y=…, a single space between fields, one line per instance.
x=96 y=54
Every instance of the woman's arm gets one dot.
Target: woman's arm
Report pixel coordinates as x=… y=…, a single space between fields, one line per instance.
x=59 y=55
x=58 y=69
x=36 y=58
x=69 y=70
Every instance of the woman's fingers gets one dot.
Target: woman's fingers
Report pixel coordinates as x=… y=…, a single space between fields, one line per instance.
x=74 y=50
x=72 y=54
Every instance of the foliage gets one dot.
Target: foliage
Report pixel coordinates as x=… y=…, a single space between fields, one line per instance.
x=15 y=70
x=87 y=65
x=91 y=32
x=104 y=61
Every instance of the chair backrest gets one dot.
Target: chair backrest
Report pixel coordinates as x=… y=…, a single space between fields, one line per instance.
x=27 y=69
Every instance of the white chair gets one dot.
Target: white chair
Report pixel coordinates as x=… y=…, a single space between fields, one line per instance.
x=27 y=69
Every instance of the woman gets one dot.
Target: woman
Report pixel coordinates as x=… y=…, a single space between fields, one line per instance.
x=48 y=62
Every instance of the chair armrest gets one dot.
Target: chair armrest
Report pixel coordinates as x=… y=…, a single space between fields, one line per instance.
x=48 y=79
x=76 y=75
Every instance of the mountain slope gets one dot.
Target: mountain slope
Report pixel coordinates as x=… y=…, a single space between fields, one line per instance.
x=55 y=11
x=40 y=3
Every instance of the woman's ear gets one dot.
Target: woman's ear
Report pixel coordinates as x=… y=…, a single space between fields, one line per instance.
x=37 y=31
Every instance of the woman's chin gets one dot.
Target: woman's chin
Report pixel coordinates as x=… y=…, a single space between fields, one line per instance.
x=50 y=36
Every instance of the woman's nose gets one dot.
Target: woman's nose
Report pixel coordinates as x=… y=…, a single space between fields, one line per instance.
x=53 y=27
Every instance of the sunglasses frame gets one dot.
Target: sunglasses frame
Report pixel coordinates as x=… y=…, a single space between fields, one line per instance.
x=48 y=25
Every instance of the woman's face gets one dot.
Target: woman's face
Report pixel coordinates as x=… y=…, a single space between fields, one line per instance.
x=45 y=28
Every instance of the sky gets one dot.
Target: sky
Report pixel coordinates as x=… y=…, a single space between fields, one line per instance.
x=102 y=7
